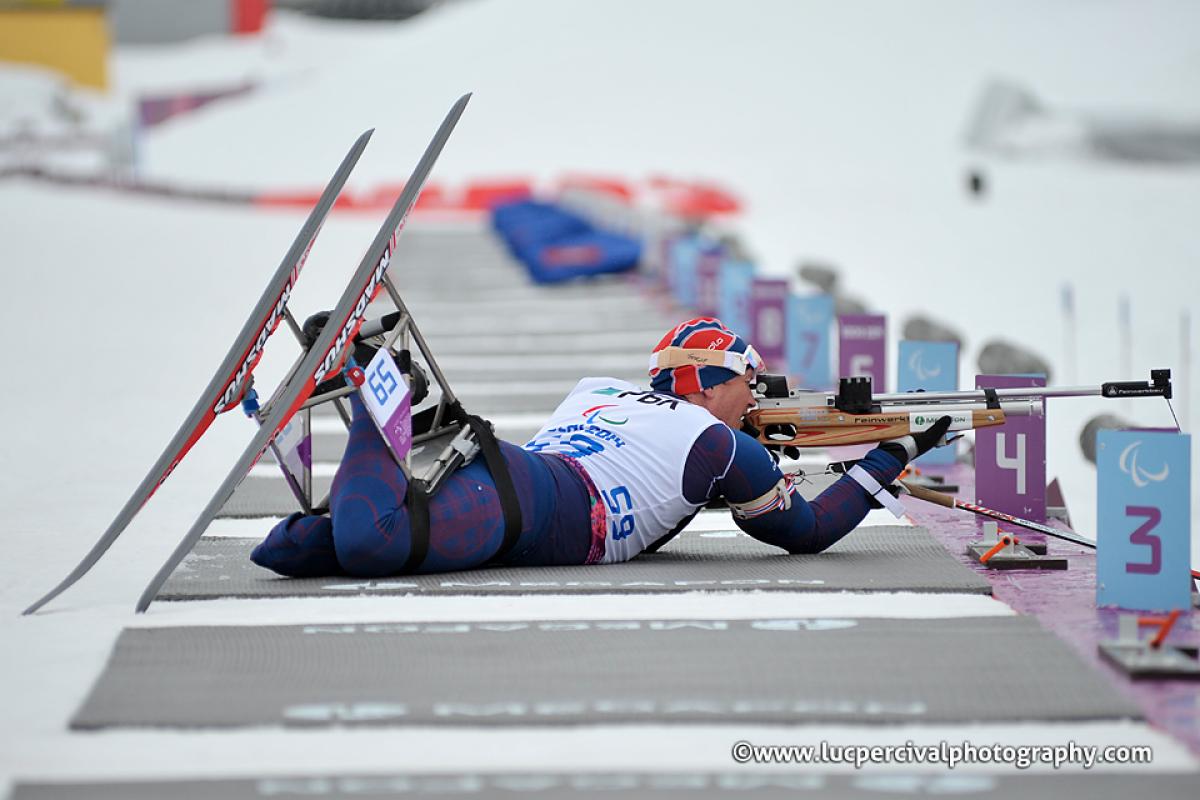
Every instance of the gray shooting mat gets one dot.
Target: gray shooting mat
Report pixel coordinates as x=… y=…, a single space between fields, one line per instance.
x=662 y=786
x=873 y=671
x=261 y=496
x=872 y=559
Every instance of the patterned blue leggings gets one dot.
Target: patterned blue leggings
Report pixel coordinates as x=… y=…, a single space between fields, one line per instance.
x=367 y=532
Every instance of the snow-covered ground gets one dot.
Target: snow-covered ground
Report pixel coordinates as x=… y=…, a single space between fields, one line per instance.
x=840 y=124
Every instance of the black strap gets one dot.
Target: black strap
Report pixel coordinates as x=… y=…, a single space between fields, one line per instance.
x=993 y=400
x=513 y=521
x=418 y=497
x=418 y=491
x=418 y=525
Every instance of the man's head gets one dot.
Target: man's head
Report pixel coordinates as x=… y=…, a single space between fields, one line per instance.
x=709 y=365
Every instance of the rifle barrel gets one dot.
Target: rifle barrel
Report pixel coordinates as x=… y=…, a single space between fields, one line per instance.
x=1019 y=407
x=1158 y=386
x=978 y=396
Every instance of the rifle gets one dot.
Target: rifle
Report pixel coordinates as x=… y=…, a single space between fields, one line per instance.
x=853 y=415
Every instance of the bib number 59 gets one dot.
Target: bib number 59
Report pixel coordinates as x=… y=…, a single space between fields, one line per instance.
x=620 y=521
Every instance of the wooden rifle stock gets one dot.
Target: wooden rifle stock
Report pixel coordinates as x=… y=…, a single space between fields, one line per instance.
x=818 y=426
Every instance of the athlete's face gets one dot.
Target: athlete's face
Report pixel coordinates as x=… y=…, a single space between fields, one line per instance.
x=729 y=401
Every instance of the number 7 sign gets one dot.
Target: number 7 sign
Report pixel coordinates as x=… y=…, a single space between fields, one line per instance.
x=808 y=325
x=1143 y=544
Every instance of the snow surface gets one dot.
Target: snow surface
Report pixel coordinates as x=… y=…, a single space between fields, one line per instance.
x=840 y=126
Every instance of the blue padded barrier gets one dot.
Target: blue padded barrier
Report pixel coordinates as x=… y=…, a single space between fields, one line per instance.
x=557 y=245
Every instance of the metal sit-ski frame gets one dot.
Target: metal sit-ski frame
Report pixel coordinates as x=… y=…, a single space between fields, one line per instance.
x=443 y=440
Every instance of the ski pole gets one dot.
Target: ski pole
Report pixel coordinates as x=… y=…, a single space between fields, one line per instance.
x=949 y=501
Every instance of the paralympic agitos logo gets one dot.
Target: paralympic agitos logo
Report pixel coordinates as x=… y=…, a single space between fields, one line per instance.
x=1128 y=462
x=594 y=413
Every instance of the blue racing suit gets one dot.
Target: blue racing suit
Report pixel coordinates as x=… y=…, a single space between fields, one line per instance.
x=367 y=531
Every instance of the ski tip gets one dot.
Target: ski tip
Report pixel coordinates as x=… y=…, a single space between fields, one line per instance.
x=462 y=101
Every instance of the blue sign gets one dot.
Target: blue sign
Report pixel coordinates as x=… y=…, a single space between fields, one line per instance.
x=733 y=305
x=685 y=255
x=1143 y=532
x=809 y=325
x=932 y=366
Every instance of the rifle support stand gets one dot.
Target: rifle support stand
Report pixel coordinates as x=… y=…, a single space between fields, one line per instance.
x=1008 y=552
x=1149 y=659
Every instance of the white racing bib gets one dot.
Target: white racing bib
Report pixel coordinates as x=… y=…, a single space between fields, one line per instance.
x=634 y=444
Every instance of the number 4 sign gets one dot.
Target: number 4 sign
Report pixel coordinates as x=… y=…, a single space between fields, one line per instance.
x=1143 y=544
x=389 y=402
x=1010 y=459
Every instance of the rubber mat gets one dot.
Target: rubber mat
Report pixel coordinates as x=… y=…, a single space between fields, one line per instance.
x=589 y=672
x=662 y=786
x=875 y=559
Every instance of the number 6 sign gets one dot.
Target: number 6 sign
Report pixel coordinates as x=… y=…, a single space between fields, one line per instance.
x=1143 y=545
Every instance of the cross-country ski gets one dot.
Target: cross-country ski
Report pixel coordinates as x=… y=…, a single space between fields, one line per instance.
x=225 y=390
x=327 y=354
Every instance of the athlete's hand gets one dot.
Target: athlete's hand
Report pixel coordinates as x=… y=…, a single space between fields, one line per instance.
x=906 y=448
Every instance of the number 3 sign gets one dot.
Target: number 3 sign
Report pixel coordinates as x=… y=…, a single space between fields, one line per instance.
x=1143 y=545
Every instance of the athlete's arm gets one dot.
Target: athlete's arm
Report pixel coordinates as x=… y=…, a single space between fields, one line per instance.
x=732 y=464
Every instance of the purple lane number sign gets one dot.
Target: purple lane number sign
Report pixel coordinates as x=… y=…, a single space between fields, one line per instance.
x=862 y=348
x=768 y=310
x=1010 y=459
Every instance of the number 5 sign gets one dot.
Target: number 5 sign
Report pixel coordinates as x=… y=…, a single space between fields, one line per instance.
x=1143 y=536
x=862 y=348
